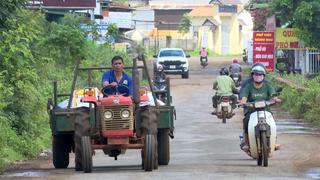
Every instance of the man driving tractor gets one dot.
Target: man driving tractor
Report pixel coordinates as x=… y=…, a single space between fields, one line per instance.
x=116 y=77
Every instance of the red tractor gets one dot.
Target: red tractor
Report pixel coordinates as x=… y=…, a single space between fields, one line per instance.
x=112 y=123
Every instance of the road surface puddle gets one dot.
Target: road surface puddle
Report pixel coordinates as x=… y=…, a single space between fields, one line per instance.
x=287 y=123
x=25 y=174
x=285 y=126
x=313 y=173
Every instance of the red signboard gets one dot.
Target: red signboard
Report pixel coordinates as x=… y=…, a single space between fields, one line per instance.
x=263 y=49
x=70 y=3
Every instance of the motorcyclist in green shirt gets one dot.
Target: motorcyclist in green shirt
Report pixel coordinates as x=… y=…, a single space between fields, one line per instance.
x=255 y=91
x=224 y=86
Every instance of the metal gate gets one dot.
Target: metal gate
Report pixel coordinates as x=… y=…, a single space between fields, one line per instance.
x=313 y=61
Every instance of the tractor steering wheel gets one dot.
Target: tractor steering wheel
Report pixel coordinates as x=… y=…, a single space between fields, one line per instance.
x=117 y=90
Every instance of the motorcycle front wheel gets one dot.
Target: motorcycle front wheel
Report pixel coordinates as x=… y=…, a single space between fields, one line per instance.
x=263 y=154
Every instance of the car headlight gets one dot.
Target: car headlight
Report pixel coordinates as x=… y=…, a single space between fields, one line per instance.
x=125 y=113
x=108 y=114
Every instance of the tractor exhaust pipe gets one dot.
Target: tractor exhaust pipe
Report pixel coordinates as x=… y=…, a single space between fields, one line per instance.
x=135 y=81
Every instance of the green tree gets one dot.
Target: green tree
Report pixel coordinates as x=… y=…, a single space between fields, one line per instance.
x=94 y=31
x=8 y=9
x=304 y=15
x=113 y=30
x=65 y=41
x=23 y=106
x=31 y=53
x=185 y=24
x=259 y=10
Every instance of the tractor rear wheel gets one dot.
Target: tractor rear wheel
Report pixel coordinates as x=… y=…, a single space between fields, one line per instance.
x=163 y=147
x=86 y=154
x=149 y=129
x=82 y=128
x=60 y=152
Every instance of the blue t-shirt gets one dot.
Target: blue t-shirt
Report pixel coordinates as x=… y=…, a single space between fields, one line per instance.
x=126 y=80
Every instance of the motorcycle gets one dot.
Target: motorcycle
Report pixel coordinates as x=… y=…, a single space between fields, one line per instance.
x=237 y=79
x=262 y=132
x=203 y=61
x=160 y=85
x=224 y=109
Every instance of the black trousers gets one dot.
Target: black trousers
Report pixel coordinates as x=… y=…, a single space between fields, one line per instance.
x=216 y=99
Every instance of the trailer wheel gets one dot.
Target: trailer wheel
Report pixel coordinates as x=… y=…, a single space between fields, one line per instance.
x=60 y=152
x=86 y=154
x=163 y=147
x=82 y=128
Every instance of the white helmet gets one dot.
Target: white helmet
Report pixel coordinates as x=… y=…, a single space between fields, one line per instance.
x=258 y=70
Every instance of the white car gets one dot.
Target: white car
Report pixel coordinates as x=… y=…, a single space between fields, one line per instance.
x=174 y=61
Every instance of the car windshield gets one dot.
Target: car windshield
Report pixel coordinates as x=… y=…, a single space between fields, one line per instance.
x=165 y=53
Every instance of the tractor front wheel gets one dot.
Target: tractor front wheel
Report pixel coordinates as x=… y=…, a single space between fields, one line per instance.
x=82 y=128
x=149 y=132
x=86 y=154
x=148 y=153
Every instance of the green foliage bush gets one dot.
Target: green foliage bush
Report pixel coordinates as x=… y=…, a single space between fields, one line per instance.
x=303 y=104
x=34 y=53
x=196 y=53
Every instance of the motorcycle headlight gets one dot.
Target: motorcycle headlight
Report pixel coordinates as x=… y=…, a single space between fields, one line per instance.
x=125 y=113
x=108 y=114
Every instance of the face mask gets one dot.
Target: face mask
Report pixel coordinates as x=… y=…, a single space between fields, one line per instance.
x=258 y=79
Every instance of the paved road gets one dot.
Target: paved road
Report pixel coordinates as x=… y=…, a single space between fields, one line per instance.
x=203 y=147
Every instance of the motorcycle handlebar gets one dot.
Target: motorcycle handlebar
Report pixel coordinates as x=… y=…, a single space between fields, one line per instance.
x=257 y=104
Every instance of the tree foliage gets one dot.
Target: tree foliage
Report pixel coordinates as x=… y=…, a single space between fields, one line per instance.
x=259 y=18
x=304 y=15
x=33 y=53
x=113 y=30
x=303 y=104
x=185 y=24
x=21 y=83
x=7 y=8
